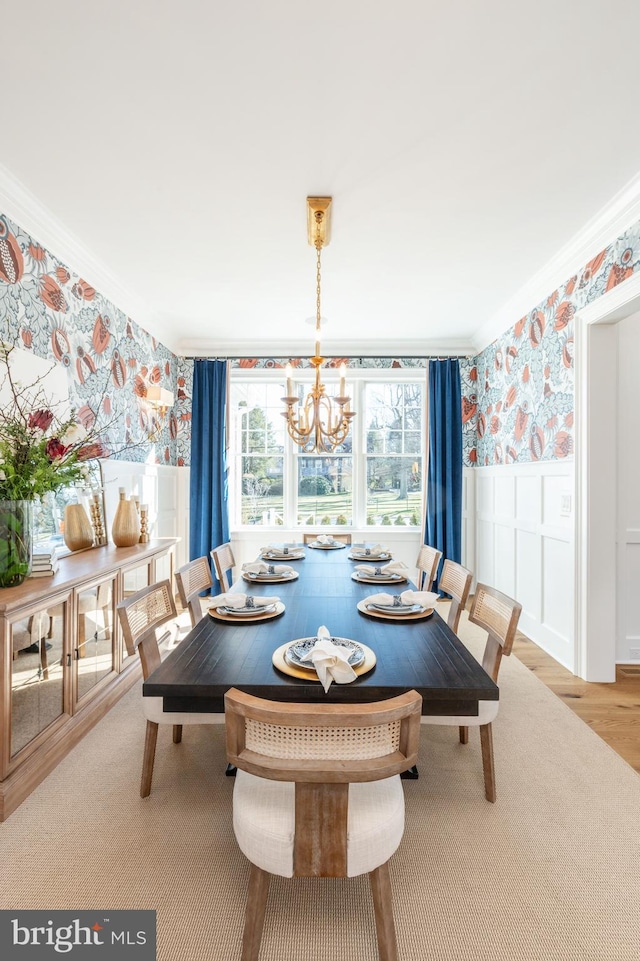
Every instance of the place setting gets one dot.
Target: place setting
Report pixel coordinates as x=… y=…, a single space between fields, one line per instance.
x=275 y=552
x=408 y=606
x=326 y=542
x=260 y=572
x=324 y=658
x=393 y=573
x=238 y=607
x=376 y=553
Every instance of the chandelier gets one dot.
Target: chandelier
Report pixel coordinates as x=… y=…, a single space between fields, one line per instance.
x=319 y=423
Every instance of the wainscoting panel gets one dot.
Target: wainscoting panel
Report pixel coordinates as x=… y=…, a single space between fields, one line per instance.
x=156 y=485
x=524 y=546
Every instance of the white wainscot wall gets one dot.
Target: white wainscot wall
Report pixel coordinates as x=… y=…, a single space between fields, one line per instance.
x=164 y=489
x=524 y=546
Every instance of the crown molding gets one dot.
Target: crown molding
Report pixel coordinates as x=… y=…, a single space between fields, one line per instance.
x=615 y=305
x=23 y=207
x=609 y=223
x=330 y=348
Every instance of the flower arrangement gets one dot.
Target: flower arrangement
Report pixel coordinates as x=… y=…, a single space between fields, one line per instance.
x=41 y=451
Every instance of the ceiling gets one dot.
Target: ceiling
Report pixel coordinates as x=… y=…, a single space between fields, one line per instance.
x=171 y=147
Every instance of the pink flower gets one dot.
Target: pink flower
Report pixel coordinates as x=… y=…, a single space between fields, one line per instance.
x=55 y=449
x=91 y=450
x=41 y=419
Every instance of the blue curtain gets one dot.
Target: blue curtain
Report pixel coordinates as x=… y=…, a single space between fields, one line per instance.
x=208 y=506
x=444 y=481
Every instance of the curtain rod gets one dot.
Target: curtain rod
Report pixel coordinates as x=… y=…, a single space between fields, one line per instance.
x=336 y=354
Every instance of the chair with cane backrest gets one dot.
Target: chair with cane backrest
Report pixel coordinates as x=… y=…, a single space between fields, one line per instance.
x=498 y=615
x=191 y=580
x=224 y=562
x=427 y=564
x=455 y=581
x=318 y=794
x=141 y=616
x=310 y=538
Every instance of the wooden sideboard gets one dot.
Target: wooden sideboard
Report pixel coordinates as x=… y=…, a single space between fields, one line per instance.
x=63 y=662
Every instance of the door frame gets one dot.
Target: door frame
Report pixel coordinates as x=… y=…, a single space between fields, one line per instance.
x=595 y=565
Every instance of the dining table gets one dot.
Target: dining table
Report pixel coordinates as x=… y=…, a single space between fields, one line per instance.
x=421 y=653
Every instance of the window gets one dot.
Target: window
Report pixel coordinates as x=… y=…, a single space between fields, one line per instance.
x=374 y=478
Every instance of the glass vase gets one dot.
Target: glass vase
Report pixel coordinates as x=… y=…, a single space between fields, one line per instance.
x=15 y=542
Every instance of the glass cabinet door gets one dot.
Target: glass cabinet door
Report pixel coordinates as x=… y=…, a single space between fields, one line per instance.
x=39 y=647
x=94 y=653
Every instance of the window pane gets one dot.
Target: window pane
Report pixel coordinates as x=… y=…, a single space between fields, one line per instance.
x=325 y=486
x=262 y=485
x=394 y=490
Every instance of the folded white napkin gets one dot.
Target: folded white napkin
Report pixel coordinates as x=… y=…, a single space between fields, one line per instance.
x=424 y=598
x=374 y=551
x=330 y=661
x=259 y=567
x=240 y=600
x=394 y=567
x=325 y=539
x=279 y=551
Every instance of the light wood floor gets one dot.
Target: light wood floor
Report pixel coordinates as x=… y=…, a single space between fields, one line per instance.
x=611 y=710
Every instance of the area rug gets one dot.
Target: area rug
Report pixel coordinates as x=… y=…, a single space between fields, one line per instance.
x=550 y=871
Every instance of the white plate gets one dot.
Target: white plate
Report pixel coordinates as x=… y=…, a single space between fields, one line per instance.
x=326 y=547
x=251 y=575
x=293 y=555
x=303 y=644
x=361 y=556
x=382 y=578
x=397 y=609
x=247 y=611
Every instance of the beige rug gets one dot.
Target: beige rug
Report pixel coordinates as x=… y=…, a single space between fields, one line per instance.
x=551 y=871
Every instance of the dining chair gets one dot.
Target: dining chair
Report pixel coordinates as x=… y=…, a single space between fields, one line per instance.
x=343 y=538
x=141 y=616
x=224 y=562
x=427 y=564
x=318 y=794
x=455 y=581
x=191 y=580
x=498 y=615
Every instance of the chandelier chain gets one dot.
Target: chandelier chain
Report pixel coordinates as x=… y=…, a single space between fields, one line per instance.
x=318 y=246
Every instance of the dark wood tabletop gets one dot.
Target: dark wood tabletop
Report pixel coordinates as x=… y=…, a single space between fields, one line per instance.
x=424 y=655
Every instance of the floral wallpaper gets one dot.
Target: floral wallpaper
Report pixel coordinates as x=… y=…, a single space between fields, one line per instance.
x=110 y=361
x=518 y=394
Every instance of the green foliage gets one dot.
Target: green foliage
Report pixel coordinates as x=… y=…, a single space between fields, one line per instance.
x=386 y=519
x=316 y=484
x=39 y=451
x=341 y=519
x=326 y=519
x=370 y=520
x=400 y=520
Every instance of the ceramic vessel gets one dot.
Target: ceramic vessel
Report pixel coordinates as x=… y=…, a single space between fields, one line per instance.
x=78 y=533
x=125 y=530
